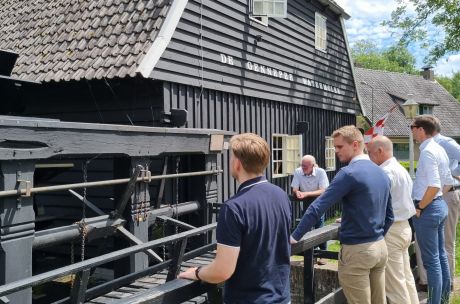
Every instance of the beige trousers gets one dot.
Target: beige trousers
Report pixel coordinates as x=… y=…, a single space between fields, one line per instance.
x=452 y=199
x=362 y=272
x=399 y=281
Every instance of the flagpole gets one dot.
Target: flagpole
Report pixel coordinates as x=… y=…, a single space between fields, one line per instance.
x=411 y=155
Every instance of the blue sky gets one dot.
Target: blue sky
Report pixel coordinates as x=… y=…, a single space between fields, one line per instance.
x=366 y=16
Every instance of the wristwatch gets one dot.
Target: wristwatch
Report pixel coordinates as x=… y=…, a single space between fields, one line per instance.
x=197 y=271
x=419 y=209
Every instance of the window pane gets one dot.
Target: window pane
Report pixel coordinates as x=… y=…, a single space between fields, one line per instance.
x=279 y=8
x=330 y=154
x=258 y=8
x=401 y=151
x=270 y=8
x=320 y=32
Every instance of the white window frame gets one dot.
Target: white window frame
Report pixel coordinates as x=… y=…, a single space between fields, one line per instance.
x=425 y=109
x=330 y=154
x=260 y=19
x=269 y=13
x=290 y=151
x=320 y=32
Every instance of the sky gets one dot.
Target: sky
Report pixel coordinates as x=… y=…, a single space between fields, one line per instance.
x=365 y=23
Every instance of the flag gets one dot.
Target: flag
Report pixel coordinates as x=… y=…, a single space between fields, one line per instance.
x=377 y=129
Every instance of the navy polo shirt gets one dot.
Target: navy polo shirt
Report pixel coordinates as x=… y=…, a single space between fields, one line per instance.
x=257 y=220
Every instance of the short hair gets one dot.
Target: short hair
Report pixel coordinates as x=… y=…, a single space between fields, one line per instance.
x=310 y=158
x=350 y=134
x=437 y=124
x=252 y=150
x=427 y=122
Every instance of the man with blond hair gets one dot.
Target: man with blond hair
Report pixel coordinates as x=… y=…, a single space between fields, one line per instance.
x=253 y=248
x=399 y=281
x=367 y=215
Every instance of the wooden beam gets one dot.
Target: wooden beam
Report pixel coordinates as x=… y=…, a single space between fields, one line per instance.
x=40 y=139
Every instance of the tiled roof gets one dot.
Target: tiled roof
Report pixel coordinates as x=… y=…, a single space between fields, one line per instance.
x=83 y=39
x=393 y=88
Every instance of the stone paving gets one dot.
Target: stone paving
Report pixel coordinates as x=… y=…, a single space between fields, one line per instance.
x=332 y=265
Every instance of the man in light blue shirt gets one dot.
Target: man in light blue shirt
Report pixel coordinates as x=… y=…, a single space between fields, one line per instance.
x=309 y=180
x=308 y=183
x=452 y=196
x=432 y=176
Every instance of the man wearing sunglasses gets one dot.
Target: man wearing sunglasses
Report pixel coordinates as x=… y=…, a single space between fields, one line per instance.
x=432 y=177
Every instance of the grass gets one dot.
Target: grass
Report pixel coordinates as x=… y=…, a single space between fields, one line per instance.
x=456 y=296
x=457 y=252
x=335 y=246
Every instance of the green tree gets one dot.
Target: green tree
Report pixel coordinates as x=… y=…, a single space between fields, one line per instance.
x=452 y=85
x=446 y=82
x=443 y=14
x=395 y=59
x=456 y=85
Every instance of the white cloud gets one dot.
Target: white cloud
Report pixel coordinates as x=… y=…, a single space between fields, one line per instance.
x=365 y=24
x=366 y=18
x=447 y=66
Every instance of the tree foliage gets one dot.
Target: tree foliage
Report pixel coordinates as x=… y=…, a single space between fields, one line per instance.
x=395 y=59
x=452 y=85
x=442 y=14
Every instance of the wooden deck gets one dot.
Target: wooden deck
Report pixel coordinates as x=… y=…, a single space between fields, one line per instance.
x=150 y=286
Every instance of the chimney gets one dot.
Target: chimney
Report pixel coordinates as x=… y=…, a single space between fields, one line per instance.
x=7 y=62
x=428 y=73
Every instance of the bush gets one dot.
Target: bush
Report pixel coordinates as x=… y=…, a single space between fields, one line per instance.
x=405 y=164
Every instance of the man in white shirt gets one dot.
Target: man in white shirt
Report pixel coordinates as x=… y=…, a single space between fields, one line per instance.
x=399 y=281
x=452 y=196
x=308 y=183
x=433 y=175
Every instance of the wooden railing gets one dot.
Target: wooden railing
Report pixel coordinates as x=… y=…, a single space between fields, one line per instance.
x=174 y=290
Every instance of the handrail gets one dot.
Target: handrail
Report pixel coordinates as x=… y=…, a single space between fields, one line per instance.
x=103 y=259
x=308 y=241
x=315 y=237
x=110 y=182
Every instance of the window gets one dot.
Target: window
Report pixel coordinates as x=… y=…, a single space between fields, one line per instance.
x=330 y=154
x=320 y=32
x=401 y=151
x=425 y=109
x=269 y=8
x=286 y=154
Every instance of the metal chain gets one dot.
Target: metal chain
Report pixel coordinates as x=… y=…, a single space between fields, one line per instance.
x=163 y=246
x=136 y=204
x=176 y=203
x=72 y=260
x=82 y=223
x=146 y=189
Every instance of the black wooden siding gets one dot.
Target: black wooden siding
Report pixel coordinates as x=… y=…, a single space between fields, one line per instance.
x=231 y=112
x=211 y=28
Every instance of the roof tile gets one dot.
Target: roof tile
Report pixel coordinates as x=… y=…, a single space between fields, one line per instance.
x=393 y=88
x=62 y=40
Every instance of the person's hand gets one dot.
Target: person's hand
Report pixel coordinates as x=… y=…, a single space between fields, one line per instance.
x=299 y=195
x=189 y=274
x=417 y=212
x=292 y=240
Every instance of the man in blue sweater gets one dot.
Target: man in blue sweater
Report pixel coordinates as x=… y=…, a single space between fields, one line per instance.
x=367 y=215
